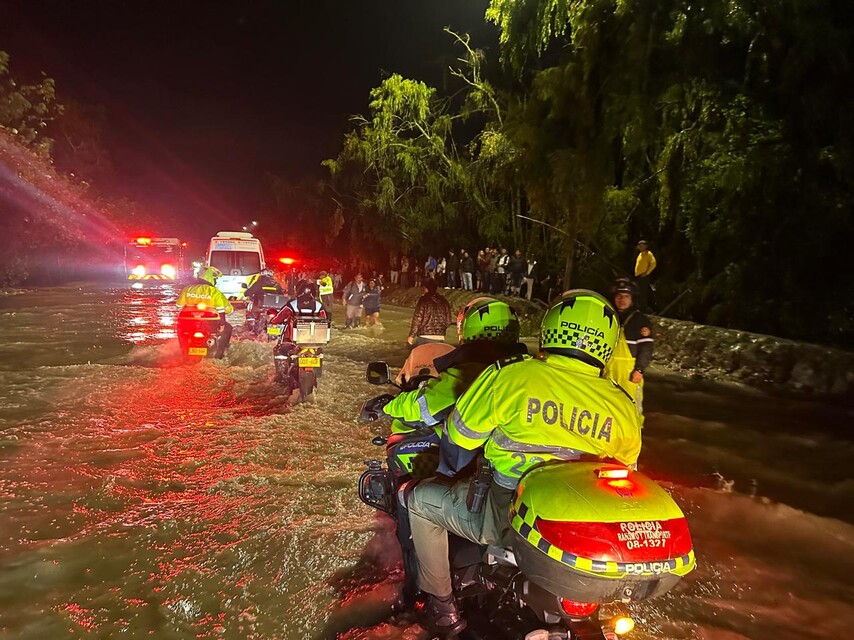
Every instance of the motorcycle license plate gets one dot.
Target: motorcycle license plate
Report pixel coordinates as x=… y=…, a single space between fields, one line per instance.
x=197 y=351
x=274 y=330
x=309 y=363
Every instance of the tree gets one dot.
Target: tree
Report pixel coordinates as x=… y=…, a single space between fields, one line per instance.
x=399 y=172
x=26 y=110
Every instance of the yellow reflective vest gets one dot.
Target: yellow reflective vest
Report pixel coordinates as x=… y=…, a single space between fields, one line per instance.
x=325 y=286
x=537 y=410
x=206 y=294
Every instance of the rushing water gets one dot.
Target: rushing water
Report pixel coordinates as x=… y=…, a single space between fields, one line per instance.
x=146 y=498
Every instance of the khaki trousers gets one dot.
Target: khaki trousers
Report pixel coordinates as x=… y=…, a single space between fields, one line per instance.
x=436 y=508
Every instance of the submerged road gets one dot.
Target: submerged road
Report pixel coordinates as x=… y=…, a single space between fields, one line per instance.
x=145 y=498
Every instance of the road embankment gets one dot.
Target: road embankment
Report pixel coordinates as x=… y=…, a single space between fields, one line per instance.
x=699 y=351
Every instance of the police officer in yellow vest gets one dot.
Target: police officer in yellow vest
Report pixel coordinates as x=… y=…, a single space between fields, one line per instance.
x=524 y=412
x=326 y=289
x=204 y=291
x=633 y=352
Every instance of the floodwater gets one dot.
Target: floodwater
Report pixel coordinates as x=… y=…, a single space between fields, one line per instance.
x=146 y=498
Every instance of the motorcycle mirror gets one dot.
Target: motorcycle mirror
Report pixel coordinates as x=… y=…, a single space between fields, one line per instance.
x=379 y=441
x=377 y=373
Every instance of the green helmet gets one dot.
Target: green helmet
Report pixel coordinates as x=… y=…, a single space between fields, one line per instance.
x=581 y=324
x=211 y=274
x=488 y=319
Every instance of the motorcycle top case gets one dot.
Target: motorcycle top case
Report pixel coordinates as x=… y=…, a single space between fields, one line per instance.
x=598 y=532
x=311 y=332
x=274 y=300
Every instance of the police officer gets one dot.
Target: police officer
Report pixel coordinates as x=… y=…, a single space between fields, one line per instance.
x=633 y=352
x=263 y=283
x=524 y=412
x=327 y=291
x=204 y=291
x=488 y=330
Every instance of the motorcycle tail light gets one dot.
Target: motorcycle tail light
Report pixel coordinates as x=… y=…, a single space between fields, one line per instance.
x=322 y=314
x=613 y=473
x=198 y=334
x=578 y=609
x=606 y=541
x=201 y=306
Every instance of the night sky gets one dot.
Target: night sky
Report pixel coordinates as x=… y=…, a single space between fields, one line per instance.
x=204 y=99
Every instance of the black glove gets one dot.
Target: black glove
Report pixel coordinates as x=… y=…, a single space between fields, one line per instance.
x=373 y=409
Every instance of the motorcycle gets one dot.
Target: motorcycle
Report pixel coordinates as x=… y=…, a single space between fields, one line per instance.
x=615 y=537
x=198 y=331
x=298 y=354
x=259 y=317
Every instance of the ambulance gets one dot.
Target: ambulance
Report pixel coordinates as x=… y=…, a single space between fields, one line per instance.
x=239 y=256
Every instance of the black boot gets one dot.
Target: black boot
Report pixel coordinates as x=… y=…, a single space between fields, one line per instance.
x=443 y=616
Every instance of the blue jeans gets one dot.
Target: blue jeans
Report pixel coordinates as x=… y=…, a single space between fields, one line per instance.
x=467 y=284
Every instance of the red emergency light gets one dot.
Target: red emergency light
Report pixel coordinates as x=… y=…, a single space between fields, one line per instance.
x=287 y=260
x=143 y=240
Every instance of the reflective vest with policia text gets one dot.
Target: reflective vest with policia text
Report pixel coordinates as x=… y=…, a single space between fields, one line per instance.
x=536 y=410
x=434 y=400
x=206 y=294
x=325 y=286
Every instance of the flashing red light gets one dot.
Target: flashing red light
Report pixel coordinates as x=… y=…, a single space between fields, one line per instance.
x=201 y=306
x=168 y=270
x=183 y=244
x=198 y=334
x=287 y=260
x=143 y=240
x=322 y=314
x=578 y=609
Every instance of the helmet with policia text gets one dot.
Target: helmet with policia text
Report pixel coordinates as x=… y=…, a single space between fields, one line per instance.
x=488 y=319
x=211 y=274
x=581 y=324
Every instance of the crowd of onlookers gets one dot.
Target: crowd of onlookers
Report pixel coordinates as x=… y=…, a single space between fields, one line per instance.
x=490 y=270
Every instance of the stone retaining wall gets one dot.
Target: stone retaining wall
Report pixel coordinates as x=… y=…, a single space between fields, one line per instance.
x=700 y=351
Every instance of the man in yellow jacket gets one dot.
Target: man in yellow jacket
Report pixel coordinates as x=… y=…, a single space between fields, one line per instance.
x=327 y=291
x=204 y=291
x=644 y=266
x=524 y=412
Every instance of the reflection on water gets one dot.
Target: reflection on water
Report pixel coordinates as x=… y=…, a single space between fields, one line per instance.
x=147 y=316
x=142 y=497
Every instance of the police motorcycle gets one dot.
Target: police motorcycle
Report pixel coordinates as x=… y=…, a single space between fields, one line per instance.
x=305 y=330
x=616 y=536
x=264 y=298
x=198 y=331
x=260 y=315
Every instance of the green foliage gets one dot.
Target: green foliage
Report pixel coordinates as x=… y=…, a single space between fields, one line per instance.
x=26 y=110
x=400 y=176
x=720 y=131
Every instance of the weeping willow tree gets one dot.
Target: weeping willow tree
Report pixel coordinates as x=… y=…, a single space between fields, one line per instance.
x=399 y=175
